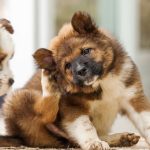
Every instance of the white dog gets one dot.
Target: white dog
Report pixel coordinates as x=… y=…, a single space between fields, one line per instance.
x=6 y=53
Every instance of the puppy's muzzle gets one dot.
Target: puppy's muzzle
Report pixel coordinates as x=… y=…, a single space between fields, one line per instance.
x=11 y=81
x=82 y=71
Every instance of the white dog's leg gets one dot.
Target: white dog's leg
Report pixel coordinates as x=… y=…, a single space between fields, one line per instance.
x=84 y=133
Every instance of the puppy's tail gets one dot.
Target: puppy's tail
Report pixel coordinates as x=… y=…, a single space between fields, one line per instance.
x=10 y=141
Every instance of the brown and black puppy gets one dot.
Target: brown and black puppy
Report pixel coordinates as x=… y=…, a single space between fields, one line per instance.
x=96 y=80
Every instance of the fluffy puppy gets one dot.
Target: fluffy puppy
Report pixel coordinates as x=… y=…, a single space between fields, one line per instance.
x=6 y=53
x=100 y=80
x=96 y=80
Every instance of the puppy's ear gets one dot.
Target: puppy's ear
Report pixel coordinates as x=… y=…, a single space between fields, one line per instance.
x=7 y=25
x=82 y=23
x=44 y=59
x=2 y=56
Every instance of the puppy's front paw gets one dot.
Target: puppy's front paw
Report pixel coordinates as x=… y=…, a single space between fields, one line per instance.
x=96 y=145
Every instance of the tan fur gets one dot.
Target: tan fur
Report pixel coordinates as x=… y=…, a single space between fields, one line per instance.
x=28 y=112
x=116 y=90
x=31 y=112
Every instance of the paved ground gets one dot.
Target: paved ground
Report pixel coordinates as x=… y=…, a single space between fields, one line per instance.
x=26 y=148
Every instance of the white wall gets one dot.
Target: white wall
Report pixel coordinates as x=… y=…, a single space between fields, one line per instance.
x=121 y=18
x=44 y=22
x=20 y=13
x=128 y=25
x=33 y=21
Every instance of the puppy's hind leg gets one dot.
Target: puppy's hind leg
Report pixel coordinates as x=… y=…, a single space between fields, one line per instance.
x=138 y=111
x=26 y=113
x=121 y=139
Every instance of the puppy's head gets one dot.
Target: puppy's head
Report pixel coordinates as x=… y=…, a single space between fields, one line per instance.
x=6 y=53
x=83 y=53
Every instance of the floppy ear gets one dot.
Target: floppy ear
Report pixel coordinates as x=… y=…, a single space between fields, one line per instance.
x=82 y=23
x=2 y=56
x=44 y=59
x=7 y=25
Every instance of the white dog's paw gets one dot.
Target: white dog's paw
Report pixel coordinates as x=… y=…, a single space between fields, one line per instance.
x=96 y=145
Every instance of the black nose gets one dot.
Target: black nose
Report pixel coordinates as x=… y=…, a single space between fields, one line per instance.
x=11 y=81
x=82 y=72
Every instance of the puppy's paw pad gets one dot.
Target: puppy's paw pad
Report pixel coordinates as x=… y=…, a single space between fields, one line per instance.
x=129 y=139
x=97 y=145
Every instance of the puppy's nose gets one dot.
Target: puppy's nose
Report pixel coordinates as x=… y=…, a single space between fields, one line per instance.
x=11 y=81
x=82 y=72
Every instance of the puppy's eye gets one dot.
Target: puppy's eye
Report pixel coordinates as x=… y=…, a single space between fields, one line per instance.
x=68 y=66
x=86 y=51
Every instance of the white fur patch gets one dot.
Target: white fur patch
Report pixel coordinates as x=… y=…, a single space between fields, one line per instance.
x=127 y=67
x=135 y=117
x=84 y=133
x=7 y=47
x=45 y=84
x=113 y=86
x=91 y=82
x=5 y=75
x=2 y=125
x=145 y=118
x=6 y=42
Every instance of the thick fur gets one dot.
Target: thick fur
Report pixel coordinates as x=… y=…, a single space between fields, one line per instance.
x=6 y=53
x=86 y=111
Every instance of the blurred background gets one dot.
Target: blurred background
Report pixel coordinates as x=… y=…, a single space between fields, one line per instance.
x=37 y=21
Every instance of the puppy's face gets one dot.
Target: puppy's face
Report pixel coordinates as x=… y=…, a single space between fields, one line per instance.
x=83 y=54
x=81 y=66
x=6 y=53
x=6 y=77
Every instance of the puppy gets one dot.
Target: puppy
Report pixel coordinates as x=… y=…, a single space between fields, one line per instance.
x=96 y=80
x=6 y=53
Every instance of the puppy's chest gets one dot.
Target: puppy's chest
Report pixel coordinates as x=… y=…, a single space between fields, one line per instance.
x=114 y=90
x=104 y=111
